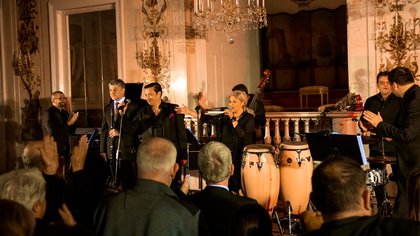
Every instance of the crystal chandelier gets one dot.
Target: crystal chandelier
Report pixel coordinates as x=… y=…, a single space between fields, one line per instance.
x=302 y=3
x=229 y=16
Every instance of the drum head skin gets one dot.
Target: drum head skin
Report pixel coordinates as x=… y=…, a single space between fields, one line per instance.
x=258 y=148
x=294 y=146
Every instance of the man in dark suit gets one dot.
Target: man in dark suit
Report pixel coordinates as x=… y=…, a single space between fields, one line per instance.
x=60 y=124
x=405 y=131
x=115 y=125
x=159 y=119
x=151 y=207
x=217 y=203
x=339 y=192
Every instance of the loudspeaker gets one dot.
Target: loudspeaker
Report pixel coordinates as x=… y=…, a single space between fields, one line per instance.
x=133 y=91
x=196 y=182
x=193 y=150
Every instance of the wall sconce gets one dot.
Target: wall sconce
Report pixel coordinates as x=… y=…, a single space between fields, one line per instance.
x=401 y=38
x=152 y=50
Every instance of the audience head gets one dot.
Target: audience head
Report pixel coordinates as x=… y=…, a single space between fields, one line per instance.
x=16 y=220
x=413 y=191
x=251 y=220
x=339 y=188
x=156 y=160
x=116 y=89
x=215 y=162
x=27 y=187
x=240 y=87
x=58 y=99
x=31 y=156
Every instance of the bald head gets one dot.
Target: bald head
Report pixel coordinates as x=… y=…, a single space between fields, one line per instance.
x=156 y=159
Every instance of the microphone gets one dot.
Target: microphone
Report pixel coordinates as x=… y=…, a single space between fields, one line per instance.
x=126 y=102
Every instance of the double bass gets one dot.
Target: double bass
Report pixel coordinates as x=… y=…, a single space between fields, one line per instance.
x=263 y=82
x=253 y=104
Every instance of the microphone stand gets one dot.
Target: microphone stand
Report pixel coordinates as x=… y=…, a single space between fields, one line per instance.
x=117 y=154
x=110 y=181
x=199 y=124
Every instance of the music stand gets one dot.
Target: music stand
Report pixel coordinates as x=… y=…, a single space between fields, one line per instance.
x=325 y=145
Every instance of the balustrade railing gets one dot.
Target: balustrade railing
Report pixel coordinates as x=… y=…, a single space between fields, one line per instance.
x=291 y=126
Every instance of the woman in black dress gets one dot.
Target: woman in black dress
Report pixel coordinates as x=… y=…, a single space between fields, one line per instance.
x=237 y=131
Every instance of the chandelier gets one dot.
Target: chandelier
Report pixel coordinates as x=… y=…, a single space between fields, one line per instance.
x=401 y=37
x=302 y=3
x=229 y=16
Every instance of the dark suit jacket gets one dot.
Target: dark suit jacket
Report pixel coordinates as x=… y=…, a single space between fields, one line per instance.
x=167 y=125
x=128 y=146
x=406 y=132
x=149 y=208
x=56 y=124
x=218 y=206
x=368 y=226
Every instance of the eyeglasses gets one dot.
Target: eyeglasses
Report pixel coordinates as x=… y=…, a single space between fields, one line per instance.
x=61 y=98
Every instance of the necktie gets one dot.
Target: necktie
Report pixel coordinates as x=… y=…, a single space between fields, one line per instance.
x=116 y=111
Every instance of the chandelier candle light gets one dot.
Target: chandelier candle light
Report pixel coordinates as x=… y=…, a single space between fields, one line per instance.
x=229 y=16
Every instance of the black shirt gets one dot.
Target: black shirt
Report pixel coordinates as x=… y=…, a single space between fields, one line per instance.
x=389 y=109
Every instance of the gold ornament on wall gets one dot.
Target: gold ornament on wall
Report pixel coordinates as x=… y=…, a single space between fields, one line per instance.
x=25 y=69
x=152 y=51
x=397 y=40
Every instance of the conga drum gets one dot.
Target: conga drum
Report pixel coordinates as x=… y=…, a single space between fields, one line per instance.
x=260 y=177
x=296 y=169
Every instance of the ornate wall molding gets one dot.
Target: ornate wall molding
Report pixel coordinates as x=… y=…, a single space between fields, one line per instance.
x=152 y=43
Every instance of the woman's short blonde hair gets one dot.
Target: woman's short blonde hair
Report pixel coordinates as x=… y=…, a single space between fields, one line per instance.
x=241 y=96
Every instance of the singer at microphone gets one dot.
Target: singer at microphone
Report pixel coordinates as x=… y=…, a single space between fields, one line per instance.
x=115 y=137
x=235 y=129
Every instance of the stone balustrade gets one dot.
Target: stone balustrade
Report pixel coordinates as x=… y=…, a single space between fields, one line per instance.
x=291 y=126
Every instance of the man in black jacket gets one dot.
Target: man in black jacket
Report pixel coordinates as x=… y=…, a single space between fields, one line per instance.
x=159 y=119
x=60 y=124
x=115 y=135
x=405 y=131
x=339 y=192
x=217 y=203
